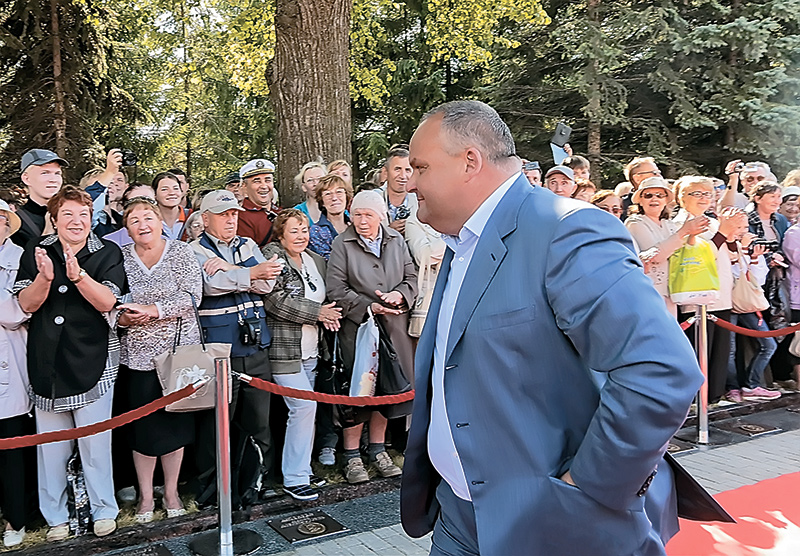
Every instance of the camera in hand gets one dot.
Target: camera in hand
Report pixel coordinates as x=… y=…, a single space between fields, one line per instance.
x=402 y=213
x=129 y=158
x=770 y=246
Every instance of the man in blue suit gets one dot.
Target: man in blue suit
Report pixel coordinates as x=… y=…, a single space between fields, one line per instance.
x=535 y=290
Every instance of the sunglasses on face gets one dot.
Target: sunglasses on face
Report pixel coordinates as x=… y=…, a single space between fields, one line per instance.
x=650 y=195
x=701 y=194
x=612 y=210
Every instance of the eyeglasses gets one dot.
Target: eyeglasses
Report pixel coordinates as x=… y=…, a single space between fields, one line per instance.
x=311 y=180
x=612 y=210
x=649 y=172
x=701 y=194
x=656 y=195
x=141 y=199
x=337 y=192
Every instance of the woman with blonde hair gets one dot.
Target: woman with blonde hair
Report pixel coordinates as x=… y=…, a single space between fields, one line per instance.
x=695 y=197
x=308 y=179
x=342 y=169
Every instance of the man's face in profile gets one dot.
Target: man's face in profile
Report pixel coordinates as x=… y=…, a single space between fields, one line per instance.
x=437 y=178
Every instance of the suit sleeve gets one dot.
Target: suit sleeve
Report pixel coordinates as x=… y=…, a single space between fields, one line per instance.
x=616 y=320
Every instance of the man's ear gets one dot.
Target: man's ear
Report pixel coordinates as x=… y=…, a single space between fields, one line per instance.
x=474 y=161
x=25 y=178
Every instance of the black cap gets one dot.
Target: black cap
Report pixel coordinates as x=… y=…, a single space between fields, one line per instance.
x=233 y=177
x=40 y=157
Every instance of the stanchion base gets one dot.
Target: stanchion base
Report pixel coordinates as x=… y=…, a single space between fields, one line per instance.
x=245 y=542
x=716 y=437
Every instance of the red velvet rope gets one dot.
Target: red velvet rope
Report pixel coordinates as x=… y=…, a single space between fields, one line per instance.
x=102 y=426
x=687 y=323
x=753 y=333
x=326 y=398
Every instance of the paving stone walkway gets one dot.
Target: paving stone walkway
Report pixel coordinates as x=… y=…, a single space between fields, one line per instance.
x=717 y=468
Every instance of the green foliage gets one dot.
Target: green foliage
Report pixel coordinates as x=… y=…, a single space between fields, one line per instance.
x=27 y=92
x=736 y=68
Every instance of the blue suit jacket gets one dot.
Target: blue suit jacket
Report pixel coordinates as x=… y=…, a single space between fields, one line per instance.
x=554 y=289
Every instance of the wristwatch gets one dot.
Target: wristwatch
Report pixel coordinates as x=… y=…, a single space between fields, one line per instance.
x=81 y=275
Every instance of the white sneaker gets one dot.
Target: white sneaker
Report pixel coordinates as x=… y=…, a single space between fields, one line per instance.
x=13 y=538
x=327 y=456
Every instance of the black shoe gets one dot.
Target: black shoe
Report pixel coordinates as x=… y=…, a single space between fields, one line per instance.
x=301 y=492
x=317 y=482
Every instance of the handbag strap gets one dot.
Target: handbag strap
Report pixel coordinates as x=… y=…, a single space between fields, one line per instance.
x=745 y=269
x=197 y=319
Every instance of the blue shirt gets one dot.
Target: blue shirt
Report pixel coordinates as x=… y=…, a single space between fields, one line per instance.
x=441 y=447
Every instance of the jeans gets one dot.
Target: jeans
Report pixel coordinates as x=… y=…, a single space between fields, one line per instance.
x=296 y=466
x=766 y=347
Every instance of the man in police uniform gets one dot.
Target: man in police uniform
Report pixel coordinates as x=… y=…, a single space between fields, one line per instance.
x=258 y=183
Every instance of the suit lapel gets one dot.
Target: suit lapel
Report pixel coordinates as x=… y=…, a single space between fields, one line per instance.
x=486 y=259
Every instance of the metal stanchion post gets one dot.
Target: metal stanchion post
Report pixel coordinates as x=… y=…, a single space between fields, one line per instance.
x=227 y=542
x=224 y=460
x=701 y=343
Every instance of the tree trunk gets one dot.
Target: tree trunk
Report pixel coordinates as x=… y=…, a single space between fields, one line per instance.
x=60 y=110
x=593 y=153
x=309 y=87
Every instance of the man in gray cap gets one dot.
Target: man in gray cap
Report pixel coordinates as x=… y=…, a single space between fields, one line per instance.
x=41 y=173
x=235 y=275
x=560 y=180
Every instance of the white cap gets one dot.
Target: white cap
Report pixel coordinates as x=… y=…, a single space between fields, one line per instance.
x=790 y=190
x=255 y=167
x=13 y=220
x=369 y=199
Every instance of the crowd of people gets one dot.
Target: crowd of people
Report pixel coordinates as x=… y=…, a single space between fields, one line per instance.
x=99 y=279
x=747 y=219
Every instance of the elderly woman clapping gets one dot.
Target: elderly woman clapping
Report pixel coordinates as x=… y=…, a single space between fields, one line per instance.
x=69 y=281
x=370 y=268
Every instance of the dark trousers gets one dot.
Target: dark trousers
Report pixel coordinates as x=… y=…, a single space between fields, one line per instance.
x=249 y=415
x=455 y=532
x=16 y=476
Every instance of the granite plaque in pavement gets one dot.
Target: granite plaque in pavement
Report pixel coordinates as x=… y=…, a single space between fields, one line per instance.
x=676 y=446
x=305 y=526
x=748 y=429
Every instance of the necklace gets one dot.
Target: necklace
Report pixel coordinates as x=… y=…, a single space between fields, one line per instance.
x=311 y=285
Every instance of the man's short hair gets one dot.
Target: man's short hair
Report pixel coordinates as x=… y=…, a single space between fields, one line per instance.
x=576 y=161
x=634 y=164
x=396 y=151
x=471 y=123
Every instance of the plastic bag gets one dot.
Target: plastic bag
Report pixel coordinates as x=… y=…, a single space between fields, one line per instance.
x=693 y=277
x=366 y=361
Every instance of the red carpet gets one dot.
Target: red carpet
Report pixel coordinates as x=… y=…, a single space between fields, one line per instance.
x=768 y=523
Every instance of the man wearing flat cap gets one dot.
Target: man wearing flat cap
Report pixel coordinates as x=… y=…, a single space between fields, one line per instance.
x=41 y=173
x=258 y=183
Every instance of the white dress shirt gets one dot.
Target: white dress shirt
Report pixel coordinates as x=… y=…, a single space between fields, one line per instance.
x=441 y=447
